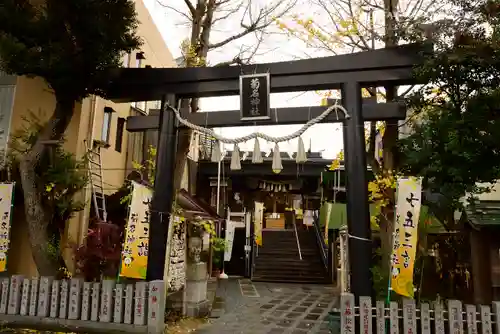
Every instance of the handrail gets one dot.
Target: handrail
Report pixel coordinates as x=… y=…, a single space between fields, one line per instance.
x=298 y=243
x=321 y=242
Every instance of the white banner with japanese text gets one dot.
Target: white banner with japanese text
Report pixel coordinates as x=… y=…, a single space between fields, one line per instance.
x=408 y=204
x=230 y=226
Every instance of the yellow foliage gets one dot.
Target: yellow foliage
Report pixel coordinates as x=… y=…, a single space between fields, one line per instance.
x=65 y=273
x=336 y=162
x=49 y=187
x=380 y=191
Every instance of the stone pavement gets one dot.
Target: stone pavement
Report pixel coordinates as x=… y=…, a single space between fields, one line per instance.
x=271 y=308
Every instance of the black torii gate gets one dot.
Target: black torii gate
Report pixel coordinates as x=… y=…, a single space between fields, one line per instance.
x=349 y=73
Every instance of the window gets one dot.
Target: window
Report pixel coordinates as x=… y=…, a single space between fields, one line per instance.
x=139 y=57
x=106 y=124
x=126 y=60
x=120 y=126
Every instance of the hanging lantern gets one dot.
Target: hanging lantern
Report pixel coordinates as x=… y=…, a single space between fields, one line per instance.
x=277 y=166
x=235 y=158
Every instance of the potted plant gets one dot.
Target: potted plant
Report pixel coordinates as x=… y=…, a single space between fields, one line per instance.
x=218 y=248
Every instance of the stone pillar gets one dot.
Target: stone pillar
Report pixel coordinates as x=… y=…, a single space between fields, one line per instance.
x=63 y=303
x=140 y=303
x=129 y=304
x=25 y=296
x=196 y=290
x=44 y=296
x=118 y=304
x=106 y=314
x=15 y=294
x=94 y=304
x=86 y=293
x=4 y=298
x=54 y=298
x=75 y=296
x=156 y=307
x=34 y=297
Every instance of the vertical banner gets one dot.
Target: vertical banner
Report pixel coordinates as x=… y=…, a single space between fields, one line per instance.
x=258 y=221
x=7 y=95
x=229 y=240
x=135 y=249
x=408 y=204
x=6 y=198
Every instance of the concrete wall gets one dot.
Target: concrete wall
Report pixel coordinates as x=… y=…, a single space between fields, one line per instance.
x=494 y=195
x=34 y=97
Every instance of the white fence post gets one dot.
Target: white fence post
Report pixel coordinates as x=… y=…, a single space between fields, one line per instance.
x=63 y=300
x=409 y=316
x=25 y=296
x=438 y=318
x=365 y=314
x=44 y=296
x=496 y=312
x=34 y=297
x=4 y=295
x=15 y=294
x=485 y=319
x=347 y=324
x=425 y=318
x=394 y=318
x=380 y=317
x=86 y=294
x=156 y=306
x=470 y=316
x=455 y=318
x=55 y=292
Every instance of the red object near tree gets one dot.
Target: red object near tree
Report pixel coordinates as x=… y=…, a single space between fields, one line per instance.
x=100 y=255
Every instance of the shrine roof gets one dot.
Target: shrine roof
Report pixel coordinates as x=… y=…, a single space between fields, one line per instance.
x=484 y=214
x=194 y=206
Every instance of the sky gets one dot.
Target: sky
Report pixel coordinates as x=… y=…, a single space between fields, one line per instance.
x=325 y=138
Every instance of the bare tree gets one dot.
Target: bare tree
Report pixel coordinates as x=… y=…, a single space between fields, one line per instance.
x=346 y=26
x=215 y=24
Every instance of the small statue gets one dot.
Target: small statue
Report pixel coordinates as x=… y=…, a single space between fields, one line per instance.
x=194 y=249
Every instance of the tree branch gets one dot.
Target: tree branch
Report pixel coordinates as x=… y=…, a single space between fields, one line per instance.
x=191 y=7
x=262 y=21
x=175 y=10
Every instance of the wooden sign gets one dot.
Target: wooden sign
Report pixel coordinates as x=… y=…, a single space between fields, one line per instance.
x=255 y=96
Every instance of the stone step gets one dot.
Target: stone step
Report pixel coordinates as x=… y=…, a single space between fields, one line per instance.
x=288 y=279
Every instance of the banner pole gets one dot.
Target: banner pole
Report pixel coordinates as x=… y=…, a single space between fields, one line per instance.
x=389 y=280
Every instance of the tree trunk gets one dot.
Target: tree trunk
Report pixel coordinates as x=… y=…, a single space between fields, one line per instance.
x=37 y=217
x=181 y=157
x=200 y=36
x=389 y=145
x=388 y=214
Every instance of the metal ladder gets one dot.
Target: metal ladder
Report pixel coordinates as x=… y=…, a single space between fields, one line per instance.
x=96 y=183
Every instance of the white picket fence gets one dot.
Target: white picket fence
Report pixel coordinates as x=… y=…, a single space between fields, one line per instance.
x=82 y=306
x=451 y=317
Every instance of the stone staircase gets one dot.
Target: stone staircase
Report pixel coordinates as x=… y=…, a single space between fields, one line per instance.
x=278 y=259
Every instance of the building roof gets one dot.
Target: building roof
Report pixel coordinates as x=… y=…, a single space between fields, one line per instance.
x=193 y=206
x=484 y=214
